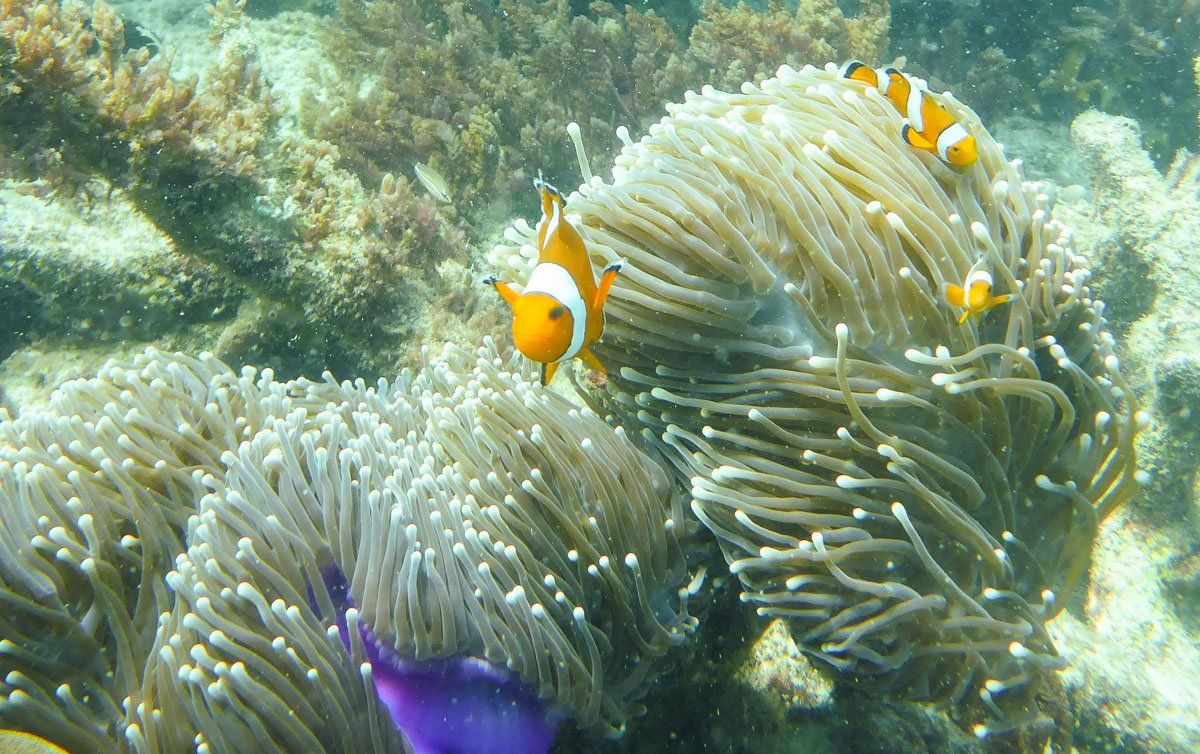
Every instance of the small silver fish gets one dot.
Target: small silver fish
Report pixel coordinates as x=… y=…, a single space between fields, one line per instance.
x=433 y=182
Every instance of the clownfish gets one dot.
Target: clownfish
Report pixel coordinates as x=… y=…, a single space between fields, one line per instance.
x=561 y=311
x=930 y=126
x=975 y=294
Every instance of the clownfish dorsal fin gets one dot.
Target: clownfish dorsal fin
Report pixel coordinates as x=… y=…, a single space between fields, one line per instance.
x=549 y=196
x=914 y=139
x=552 y=212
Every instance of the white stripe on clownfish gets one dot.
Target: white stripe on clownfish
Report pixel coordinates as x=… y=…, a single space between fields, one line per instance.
x=552 y=226
x=916 y=101
x=554 y=281
x=883 y=80
x=953 y=134
x=978 y=276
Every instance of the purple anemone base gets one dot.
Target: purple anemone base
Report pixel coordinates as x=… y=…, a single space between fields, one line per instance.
x=453 y=705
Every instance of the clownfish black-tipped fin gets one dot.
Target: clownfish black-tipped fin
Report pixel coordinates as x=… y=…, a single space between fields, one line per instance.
x=504 y=289
x=541 y=185
x=606 y=283
x=548 y=370
x=914 y=139
x=548 y=195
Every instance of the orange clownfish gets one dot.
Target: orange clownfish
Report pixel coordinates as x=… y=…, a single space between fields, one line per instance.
x=561 y=311
x=930 y=126
x=975 y=294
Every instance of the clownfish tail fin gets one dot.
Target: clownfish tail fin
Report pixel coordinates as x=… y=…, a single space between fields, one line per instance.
x=914 y=139
x=606 y=283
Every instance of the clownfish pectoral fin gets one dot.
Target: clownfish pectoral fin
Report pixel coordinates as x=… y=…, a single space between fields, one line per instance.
x=955 y=295
x=605 y=286
x=965 y=315
x=916 y=140
x=590 y=359
x=504 y=289
x=548 y=370
x=998 y=300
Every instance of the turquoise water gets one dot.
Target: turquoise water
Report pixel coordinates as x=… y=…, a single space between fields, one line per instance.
x=390 y=375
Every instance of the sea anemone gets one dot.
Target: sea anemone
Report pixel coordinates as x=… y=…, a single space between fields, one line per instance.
x=199 y=559
x=912 y=493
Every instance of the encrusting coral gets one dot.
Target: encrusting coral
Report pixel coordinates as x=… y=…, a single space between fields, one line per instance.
x=168 y=529
x=914 y=495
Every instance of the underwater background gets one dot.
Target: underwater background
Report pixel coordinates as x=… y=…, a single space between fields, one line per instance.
x=808 y=509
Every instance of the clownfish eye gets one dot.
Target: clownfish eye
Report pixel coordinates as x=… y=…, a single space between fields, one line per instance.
x=557 y=312
x=954 y=150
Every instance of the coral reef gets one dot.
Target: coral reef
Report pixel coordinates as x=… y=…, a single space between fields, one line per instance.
x=1142 y=227
x=129 y=281
x=251 y=194
x=278 y=248
x=498 y=82
x=777 y=669
x=1131 y=650
x=915 y=496
x=168 y=526
x=340 y=273
x=730 y=45
x=1131 y=644
x=1055 y=59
